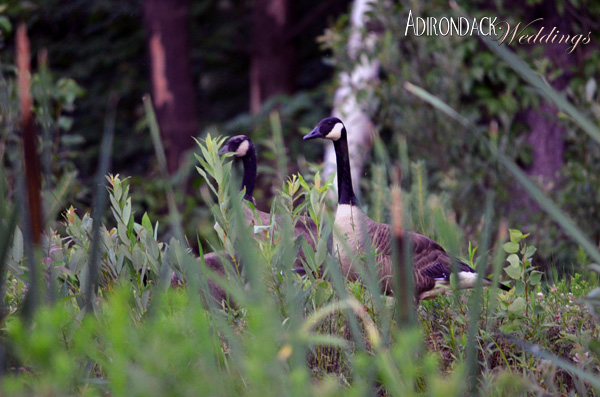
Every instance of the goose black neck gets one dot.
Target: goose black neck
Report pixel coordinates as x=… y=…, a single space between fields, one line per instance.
x=249 y=178
x=345 y=190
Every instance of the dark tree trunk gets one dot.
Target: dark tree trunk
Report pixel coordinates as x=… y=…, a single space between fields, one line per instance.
x=546 y=131
x=33 y=180
x=172 y=83
x=272 y=62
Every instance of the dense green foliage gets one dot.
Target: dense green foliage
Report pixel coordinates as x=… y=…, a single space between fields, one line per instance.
x=277 y=331
x=467 y=76
x=105 y=42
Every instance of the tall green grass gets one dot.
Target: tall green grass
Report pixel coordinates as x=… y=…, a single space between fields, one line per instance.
x=571 y=229
x=281 y=333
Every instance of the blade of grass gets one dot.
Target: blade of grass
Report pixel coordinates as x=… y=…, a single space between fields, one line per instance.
x=402 y=252
x=45 y=119
x=278 y=145
x=333 y=267
x=159 y=150
x=547 y=204
x=519 y=66
x=527 y=74
x=497 y=261
x=31 y=299
x=593 y=379
x=475 y=302
x=100 y=200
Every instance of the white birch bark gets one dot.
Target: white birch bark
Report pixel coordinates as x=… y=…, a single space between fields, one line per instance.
x=358 y=124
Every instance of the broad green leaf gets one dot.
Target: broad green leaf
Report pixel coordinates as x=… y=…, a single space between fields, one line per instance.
x=519 y=287
x=518 y=306
x=535 y=277
x=529 y=252
x=515 y=235
x=309 y=256
x=513 y=272
x=511 y=247
x=147 y=224
x=594 y=347
x=115 y=207
x=127 y=210
x=5 y=24
x=122 y=231
x=323 y=292
x=513 y=259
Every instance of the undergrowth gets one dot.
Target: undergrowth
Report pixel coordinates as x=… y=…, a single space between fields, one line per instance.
x=280 y=332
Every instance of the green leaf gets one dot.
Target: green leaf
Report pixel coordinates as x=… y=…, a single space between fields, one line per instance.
x=519 y=287
x=532 y=189
x=513 y=272
x=115 y=207
x=513 y=259
x=122 y=232
x=5 y=24
x=127 y=210
x=309 y=255
x=18 y=247
x=323 y=292
x=517 y=306
x=515 y=235
x=538 y=309
x=535 y=277
x=201 y=172
x=530 y=251
x=65 y=123
x=508 y=328
x=511 y=247
x=147 y=224
x=595 y=347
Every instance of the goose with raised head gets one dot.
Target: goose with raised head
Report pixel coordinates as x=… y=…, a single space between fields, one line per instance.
x=243 y=149
x=432 y=265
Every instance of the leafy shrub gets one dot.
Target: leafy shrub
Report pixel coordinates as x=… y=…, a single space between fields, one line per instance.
x=313 y=333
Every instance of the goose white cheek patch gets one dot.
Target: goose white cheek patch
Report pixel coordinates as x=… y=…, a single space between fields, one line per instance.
x=242 y=149
x=336 y=132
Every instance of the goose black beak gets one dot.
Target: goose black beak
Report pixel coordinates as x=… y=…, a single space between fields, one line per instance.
x=223 y=150
x=313 y=134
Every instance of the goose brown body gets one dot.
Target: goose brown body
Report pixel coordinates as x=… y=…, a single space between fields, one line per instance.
x=432 y=265
x=357 y=233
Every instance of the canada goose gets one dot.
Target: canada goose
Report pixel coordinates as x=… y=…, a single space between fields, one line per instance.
x=242 y=148
x=432 y=266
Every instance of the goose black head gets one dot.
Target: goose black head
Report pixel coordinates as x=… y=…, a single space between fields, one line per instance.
x=330 y=128
x=238 y=145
